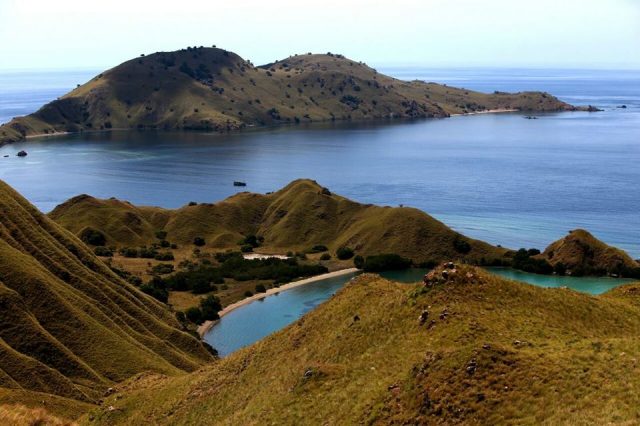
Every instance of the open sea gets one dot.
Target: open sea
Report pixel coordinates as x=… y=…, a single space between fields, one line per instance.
x=496 y=177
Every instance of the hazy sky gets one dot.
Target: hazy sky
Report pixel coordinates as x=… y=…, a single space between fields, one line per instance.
x=100 y=34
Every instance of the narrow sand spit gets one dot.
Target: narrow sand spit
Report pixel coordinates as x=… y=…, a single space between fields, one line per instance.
x=206 y=326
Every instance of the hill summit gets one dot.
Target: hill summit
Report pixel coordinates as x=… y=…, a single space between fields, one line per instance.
x=214 y=89
x=295 y=218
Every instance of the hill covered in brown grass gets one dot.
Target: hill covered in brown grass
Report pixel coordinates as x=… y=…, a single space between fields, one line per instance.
x=69 y=327
x=580 y=253
x=472 y=348
x=213 y=89
x=295 y=218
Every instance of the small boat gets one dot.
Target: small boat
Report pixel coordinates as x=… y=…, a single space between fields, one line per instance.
x=531 y=117
x=238 y=183
x=22 y=154
x=6 y=155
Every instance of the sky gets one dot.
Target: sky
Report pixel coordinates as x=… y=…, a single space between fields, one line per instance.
x=47 y=34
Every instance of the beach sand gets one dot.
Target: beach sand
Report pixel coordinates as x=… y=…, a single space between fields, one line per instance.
x=206 y=326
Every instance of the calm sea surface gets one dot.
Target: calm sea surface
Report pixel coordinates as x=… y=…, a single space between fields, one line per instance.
x=498 y=177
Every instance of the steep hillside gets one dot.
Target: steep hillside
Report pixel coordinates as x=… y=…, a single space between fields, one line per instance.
x=213 y=89
x=69 y=326
x=297 y=217
x=583 y=254
x=471 y=349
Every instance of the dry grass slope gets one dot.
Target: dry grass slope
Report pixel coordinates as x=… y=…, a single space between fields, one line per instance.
x=581 y=250
x=491 y=351
x=297 y=217
x=213 y=89
x=68 y=325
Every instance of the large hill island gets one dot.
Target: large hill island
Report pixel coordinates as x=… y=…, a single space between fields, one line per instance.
x=214 y=89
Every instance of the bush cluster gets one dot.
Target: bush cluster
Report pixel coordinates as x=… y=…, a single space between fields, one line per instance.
x=203 y=278
x=384 y=262
x=344 y=253
x=207 y=311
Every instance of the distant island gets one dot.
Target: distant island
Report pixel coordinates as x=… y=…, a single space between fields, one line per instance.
x=211 y=89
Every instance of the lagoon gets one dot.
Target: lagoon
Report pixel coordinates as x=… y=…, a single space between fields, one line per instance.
x=254 y=321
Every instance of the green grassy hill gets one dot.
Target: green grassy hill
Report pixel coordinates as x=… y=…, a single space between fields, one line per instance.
x=490 y=351
x=213 y=89
x=583 y=254
x=296 y=218
x=69 y=327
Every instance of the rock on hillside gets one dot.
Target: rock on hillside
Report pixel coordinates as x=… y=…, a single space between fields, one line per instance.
x=213 y=89
x=583 y=254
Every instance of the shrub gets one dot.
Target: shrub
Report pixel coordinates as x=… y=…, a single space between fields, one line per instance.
x=165 y=244
x=358 y=262
x=248 y=293
x=344 y=253
x=524 y=261
x=325 y=256
x=319 y=248
x=209 y=307
x=385 y=262
x=194 y=315
x=129 y=252
x=461 y=245
x=147 y=253
x=162 y=269
x=199 y=241
x=246 y=248
x=252 y=240
x=260 y=288
x=93 y=237
x=103 y=251
x=165 y=256
x=157 y=289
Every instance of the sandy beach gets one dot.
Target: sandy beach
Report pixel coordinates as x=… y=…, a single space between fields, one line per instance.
x=206 y=326
x=488 y=111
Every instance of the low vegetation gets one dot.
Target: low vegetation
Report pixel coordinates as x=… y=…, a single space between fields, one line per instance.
x=470 y=348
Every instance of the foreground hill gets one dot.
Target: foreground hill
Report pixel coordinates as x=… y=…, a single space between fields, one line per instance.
x=69 y=327
x=580 y=253
x=297 y=217
x=213 y=89
x=471 y=349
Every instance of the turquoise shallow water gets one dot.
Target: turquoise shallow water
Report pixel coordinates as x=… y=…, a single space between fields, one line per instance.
x=257 y=320
x=591 y=285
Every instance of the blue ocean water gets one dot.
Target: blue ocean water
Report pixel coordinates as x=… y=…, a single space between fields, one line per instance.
x=496 y=177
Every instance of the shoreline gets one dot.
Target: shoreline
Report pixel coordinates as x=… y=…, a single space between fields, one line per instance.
x=487 y=111
x=246 y=128
x=207 y=325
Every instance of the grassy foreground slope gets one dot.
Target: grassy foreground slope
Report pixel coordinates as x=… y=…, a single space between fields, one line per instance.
x=213 y=89
x=490 y=351
x=582 y=253
x=69 y=327
x=297 y=217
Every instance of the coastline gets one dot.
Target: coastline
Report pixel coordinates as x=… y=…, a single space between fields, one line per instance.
x=245 y=128
x=206 y=326
x=487 y=111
